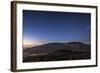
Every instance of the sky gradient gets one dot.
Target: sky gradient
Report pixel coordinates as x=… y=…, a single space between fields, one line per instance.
x=49 y=26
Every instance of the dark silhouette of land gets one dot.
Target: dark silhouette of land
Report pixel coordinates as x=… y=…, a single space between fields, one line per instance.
x=57 y=52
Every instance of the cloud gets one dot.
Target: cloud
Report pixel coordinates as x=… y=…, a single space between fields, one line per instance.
x=88 y=27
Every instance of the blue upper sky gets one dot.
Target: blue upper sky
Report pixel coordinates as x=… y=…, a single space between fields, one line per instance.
x=56 y=26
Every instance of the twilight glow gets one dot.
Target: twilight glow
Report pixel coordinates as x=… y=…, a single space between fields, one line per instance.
x=31 y=43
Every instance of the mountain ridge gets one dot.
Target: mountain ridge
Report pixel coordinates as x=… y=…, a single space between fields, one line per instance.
x=51 y=47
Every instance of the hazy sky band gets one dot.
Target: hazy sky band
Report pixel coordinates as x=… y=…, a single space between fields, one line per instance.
x=56 y=26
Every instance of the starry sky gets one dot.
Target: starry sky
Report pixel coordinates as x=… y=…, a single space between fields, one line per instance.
x=52 y=26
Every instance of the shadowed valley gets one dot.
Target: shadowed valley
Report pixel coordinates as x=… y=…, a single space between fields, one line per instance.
x=57 y=52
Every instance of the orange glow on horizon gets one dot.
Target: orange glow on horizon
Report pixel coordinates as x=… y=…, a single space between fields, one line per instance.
x=29 y=43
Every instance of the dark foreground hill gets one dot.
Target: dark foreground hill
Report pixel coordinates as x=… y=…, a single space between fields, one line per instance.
x=57 y=52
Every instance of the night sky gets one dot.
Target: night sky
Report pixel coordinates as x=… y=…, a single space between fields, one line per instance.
x=56 y=26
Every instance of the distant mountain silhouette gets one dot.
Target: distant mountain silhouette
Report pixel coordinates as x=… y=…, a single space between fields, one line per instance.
x=57 y=51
